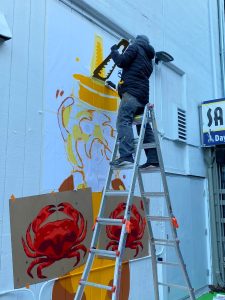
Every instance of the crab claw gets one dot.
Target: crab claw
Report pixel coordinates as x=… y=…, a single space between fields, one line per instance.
x=44 y=213
x=118 y=211
x=68 y=209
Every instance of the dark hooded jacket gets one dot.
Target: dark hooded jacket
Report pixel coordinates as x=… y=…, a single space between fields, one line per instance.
x=136 y=63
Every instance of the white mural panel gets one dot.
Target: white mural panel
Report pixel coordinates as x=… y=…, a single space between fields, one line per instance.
x=80 y=111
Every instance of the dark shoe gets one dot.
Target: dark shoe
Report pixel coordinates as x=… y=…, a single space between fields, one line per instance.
x=149 y=165
x=122 y=161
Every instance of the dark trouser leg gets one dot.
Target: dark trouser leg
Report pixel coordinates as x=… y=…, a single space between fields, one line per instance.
x=151 y=154
x=126 y=112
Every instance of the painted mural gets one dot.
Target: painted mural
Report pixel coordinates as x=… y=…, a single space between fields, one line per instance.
x=79 y=135
x=86 y=122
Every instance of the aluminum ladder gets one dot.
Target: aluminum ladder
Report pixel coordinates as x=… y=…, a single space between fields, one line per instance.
x=148 y=116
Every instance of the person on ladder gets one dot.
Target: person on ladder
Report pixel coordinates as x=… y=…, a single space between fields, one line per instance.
x=133 y=89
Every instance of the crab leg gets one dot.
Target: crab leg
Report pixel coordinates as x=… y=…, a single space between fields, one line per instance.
x=27 y=250
x=135 y=246
x=42 y=266
x=83 y=230
x=80 y=247
x=34 y=263
x=74 y=254
x=113 y=244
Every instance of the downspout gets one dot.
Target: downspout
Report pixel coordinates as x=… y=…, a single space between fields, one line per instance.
x=220 y=7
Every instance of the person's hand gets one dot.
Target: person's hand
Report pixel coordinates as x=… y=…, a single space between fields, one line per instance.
x=114 y=47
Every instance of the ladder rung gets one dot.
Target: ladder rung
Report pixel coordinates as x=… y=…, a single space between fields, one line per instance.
x=105 y=253
x=109 y=221
x=165 y=242
x=96 y=285
x=168 y=263
x=148 y=146
x=127 y=167
x=116 y=193
x=150 y=170
x=145 y=145
x=154 y=194
x=158 y=218
x=174 y=285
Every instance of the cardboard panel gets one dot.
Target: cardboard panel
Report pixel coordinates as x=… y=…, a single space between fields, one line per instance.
x=137 y=239
x=50 y=234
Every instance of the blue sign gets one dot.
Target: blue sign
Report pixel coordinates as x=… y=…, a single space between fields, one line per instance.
x=213 y=122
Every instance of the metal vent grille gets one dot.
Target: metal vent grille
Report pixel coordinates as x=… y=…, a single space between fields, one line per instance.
x=181 y=117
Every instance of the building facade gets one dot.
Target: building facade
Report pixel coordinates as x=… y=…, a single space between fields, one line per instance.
x=55 y=46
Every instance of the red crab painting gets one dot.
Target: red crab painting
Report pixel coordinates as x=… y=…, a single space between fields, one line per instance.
x=47 y=242
x=137 y=229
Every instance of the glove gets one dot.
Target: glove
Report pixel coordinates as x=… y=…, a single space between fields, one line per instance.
x=114 y=47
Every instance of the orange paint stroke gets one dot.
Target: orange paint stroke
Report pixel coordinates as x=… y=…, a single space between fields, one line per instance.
x=106 y=156
x=76 y=147
x=82 y=173
x=60 y=116
x=106 y=123
x=85 y=149
x=83 y=119
x=98 y=140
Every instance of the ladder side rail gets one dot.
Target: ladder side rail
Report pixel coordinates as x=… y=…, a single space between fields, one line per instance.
x=161 y=163
x=168 y=203
x=118 y=263
x=152 y=245
x=123 y=236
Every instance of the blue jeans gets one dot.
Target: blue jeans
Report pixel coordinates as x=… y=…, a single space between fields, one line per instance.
x=129 y=107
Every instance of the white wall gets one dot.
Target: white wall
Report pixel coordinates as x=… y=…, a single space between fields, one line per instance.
x=181 y=28
x=21 y=98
